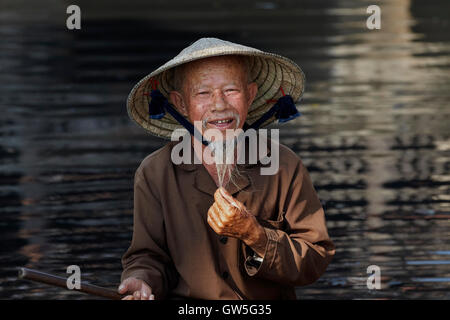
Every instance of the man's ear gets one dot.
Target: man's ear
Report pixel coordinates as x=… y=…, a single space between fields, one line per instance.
x=252 y=89
x=177 y=100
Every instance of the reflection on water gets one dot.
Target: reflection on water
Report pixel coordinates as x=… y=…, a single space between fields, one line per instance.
x=374 y=133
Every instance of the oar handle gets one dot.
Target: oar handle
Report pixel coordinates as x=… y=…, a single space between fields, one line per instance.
x=34 y=275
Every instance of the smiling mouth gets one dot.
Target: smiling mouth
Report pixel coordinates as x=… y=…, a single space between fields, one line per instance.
x=222 y=123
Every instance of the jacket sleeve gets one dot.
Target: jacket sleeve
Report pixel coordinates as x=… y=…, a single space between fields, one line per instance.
x=147 y=258
x=299 y=253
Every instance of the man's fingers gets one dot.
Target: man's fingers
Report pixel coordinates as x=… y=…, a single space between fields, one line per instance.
x=212 y=223
x=125 y=286
x=137 y=288
x=216 y=216
x=136 y=295
x=226 y=201
x=211 y=219
x=221 y=202
x=229 y=198
x=219 y=215
x=226 y=195
x=215 y=228
x=146 y=292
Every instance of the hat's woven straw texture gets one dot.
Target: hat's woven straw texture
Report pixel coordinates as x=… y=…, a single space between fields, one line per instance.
x=268 y=70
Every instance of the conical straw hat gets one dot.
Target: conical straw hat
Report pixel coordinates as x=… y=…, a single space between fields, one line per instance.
x=270 y=72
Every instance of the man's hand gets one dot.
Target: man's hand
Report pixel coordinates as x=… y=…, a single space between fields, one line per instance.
x=229 y=217
x=137 y=289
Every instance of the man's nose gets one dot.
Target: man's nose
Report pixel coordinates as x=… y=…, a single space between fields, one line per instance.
x=219 y=102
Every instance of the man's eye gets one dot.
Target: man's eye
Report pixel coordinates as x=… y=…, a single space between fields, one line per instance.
x=203 y=92
x=231 y=90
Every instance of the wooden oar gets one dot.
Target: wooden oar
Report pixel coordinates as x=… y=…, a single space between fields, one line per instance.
x=34 y=275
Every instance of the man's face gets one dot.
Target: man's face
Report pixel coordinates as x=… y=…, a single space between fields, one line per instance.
x=215 y=91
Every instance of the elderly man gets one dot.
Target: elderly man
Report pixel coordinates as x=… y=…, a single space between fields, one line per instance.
x=204 y=235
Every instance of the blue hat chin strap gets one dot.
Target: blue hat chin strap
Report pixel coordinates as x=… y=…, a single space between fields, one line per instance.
x=284 y=110
x=157 y=109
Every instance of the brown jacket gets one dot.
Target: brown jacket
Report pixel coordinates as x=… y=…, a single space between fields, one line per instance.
x=178 y=254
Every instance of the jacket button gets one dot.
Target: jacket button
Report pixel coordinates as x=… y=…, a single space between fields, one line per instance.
x=225 y=274
x=223 y=239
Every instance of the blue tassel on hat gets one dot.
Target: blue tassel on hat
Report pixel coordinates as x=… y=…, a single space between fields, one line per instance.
x=286 y=109
x=156 y=107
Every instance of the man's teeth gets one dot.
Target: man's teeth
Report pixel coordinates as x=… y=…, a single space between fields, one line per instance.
x=222 y=121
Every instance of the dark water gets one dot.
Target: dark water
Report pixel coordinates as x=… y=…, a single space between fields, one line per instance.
x=375 y=132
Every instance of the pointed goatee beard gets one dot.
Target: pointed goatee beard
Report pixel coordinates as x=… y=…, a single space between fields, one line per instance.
x=224 y=151
x=224 y=158
x=224 y=173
